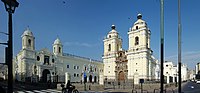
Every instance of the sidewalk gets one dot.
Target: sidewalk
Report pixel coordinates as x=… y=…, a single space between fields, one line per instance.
x=169 y=88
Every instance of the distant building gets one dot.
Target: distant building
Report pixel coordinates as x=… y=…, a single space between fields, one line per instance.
x=184 y=72
x=43 y=65
x=171 y=72
x=133 y=64
x=3 y=72
x=191 y=74
x=197 y=68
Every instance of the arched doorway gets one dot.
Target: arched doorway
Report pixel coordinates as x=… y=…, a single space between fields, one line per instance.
x=95 y=79
x=45 y=73
x=121 y=76
x=90 y=78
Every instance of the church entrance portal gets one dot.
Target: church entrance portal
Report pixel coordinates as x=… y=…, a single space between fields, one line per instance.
x=121 y=76
x=46 y=75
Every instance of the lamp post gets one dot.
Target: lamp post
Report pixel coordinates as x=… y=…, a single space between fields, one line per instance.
x=10 y=6
x=179 y=47
x=162 y=44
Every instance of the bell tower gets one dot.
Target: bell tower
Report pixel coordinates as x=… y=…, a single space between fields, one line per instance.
x=112 y=44
x=139 y=52
x=28 y=40
x=57 y=47
x=139 y=35
x=28 y=53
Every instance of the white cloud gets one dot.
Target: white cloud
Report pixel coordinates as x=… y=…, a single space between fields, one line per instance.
x=190 y=58
x=79 y=44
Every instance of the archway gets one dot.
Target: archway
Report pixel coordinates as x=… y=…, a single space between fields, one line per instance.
x=90 y=78
x=121 y=76
x=45 y=73
x=95 y=79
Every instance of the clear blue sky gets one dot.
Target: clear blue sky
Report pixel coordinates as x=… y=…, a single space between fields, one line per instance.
x=82 y=24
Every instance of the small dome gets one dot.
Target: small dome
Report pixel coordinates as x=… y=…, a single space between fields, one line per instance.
x=57 y=41
x=139 y=16
x=113 y=32
x=27 y=32
x=139 y=23
x=113 y=27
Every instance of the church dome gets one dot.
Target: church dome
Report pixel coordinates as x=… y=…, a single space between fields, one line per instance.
x=27 y=32
x=139 y=23
x=113 y=32
x=57 y=41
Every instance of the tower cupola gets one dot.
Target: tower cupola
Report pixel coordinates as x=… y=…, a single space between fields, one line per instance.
x=139 y=24
x=57 y=47
x=139 y=16
x=28 y=40
x=113 y=32
x=112 y=42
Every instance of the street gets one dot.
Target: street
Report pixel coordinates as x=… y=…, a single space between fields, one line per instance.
x=190 y=87
x=187 y=87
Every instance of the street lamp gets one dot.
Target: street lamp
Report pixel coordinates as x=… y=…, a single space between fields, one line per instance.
x=10 y=6
x=162 y=44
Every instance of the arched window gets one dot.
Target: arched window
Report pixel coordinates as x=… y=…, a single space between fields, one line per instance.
x=109 y=47
x=120 y=54
x=29 y=42
x=59 y=49
x=136 y=40
x=38 y=58
x=136 y=27
x=23 y=42
x=53 y=60
x=54 y=49
x=117 y=47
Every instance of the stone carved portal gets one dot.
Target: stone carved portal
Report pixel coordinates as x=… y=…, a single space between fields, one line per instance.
x=121 y=68
x=45 y=75
x=121 y=76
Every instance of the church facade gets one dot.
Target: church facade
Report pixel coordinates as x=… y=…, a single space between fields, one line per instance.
x=55 y=66
x=133 y=64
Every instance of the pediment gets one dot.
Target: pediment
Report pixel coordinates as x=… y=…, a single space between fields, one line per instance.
x=45 y=51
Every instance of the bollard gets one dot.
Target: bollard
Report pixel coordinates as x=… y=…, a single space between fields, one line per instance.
x=113 y=85
x=89 y=87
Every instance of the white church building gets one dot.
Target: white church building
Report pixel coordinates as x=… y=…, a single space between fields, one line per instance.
x=55 y=66
x=133 y=64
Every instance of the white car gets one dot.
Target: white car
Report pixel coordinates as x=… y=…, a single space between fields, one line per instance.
x=198 y=81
